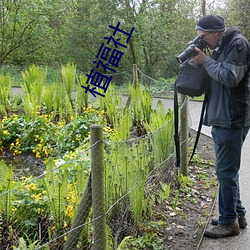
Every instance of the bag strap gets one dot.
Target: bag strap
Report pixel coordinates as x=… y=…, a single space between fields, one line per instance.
x=199 y=127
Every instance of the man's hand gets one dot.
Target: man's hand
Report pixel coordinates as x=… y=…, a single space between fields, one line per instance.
x=200 y=58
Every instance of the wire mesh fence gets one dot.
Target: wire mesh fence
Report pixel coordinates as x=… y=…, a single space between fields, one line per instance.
x=42 y=210
x=55 y=210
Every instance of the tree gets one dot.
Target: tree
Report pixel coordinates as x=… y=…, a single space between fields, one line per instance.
x=237 y=13
x=21 y=21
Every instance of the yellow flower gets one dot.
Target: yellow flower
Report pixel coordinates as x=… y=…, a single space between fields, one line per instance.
x=6 y=132
x=73 y=199
x=69 y=211
x=16 y=152
x=31 y=186
x=38 y=155
x=37 y=196
x=45 y=151
x=14 y=209
x=12 y=145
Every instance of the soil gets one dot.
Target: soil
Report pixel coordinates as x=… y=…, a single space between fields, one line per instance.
x=186 y=223
x=25 y=164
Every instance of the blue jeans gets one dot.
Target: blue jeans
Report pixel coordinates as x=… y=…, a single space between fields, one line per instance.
x=228 y=145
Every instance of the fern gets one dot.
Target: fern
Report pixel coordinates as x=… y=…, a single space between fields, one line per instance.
x=82 y=96
x=5 y=90
x=161 y=126
x=56 y=184
x=68 y=74
x=48 y=98
x=33 y=86
x=6 y=184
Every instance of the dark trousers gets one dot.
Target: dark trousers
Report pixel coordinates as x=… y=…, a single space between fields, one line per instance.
x=228 y=145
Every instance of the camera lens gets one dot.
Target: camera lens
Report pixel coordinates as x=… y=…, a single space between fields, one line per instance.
x=187 y=53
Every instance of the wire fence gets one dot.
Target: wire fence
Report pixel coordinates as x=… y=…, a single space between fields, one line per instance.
x=55 y=210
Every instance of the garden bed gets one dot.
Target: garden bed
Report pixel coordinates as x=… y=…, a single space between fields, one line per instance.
x=185 y=226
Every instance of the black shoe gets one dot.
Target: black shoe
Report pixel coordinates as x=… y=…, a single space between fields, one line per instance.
x=241 y=219
x=221 y=231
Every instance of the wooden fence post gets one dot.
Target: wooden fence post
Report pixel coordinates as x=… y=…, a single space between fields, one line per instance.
x=135 y=74
x=98 y=194
x=80 y=218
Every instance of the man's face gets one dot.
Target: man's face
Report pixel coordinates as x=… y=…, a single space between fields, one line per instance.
x=211 y=38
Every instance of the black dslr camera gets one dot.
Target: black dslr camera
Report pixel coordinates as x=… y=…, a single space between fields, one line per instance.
x=190 y=51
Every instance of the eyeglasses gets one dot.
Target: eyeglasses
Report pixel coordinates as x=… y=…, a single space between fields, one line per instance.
x=203 y=36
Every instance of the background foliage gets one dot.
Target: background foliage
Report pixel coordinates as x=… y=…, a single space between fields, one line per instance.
x=49 y=32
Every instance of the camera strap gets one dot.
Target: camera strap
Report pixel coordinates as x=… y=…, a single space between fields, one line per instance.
x=176 y=127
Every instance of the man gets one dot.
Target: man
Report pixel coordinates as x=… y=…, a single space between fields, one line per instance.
x=228 y=112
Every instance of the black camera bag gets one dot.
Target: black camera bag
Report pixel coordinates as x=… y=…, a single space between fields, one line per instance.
x=192 y=79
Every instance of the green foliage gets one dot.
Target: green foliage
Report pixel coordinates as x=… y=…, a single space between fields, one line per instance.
x=161 y=126
x=164 y=191
x=112 y=105
x=48 y=98
x=6 y=184
x=68 y=73
x=33 y=85
x=82 y=96
x=126 y=172
x=5 y=89
x=29 y=245
x=30 y=206
x=141 y=104
x=43 y=137
x=55 y=196
x=57 y=188
x=147 y=241
x=43 y=32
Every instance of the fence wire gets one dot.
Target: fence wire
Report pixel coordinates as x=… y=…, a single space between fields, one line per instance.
x=44 y=210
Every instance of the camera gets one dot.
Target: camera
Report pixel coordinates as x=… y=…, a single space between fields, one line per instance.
x=190 y=51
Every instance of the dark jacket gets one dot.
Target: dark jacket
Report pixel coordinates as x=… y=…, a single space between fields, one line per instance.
x=229 y=90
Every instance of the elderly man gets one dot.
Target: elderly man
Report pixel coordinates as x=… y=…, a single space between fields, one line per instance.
x=228 y=112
